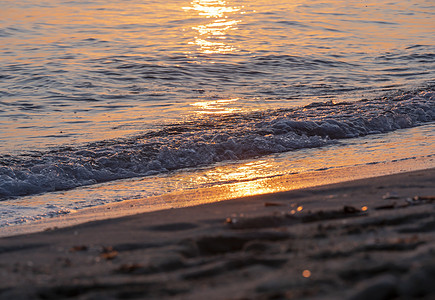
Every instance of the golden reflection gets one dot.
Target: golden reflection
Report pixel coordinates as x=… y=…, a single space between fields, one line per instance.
x=242 y=172
x=211 y=36
x=216 y=106
x=217 y=28
x=211 y=8
x=247 y=179
x=251 y=188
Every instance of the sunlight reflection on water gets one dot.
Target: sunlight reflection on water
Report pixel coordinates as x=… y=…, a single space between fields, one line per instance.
x=83 y=71
x=211 y=36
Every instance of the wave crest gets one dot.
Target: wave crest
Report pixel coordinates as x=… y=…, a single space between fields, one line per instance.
x=209 y=140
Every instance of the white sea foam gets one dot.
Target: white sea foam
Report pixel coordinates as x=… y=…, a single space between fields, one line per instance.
x=207 y=140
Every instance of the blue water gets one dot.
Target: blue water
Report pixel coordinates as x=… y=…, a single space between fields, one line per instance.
x=96 y=91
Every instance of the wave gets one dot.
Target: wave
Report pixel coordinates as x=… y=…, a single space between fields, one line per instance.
x=211 y=139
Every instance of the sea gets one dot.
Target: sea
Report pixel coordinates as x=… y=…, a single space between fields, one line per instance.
x=105 y=101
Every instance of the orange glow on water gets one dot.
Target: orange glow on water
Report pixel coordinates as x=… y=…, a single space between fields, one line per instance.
x=65 y=37
x=211 y=8
x=216 y=106
x=211 y=36
x=209 y=25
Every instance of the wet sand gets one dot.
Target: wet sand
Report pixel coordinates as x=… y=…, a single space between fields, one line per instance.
x=364 y=239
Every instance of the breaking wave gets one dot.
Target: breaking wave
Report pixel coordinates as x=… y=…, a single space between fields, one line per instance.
x=211 y=139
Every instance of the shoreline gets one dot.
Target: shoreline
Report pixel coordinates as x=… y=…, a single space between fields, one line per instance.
x=194 y=197
x=350 y=240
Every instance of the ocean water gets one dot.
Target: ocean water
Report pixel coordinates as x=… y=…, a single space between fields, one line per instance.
x=106 y=101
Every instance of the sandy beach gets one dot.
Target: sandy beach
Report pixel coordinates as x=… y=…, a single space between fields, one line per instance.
x=364 y=239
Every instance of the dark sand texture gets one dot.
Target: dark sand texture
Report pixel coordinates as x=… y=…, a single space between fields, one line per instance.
x=317 y=243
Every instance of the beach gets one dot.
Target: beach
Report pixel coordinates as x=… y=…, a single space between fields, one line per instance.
x=363 y=239
x=191 y=102
x=220 y=149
